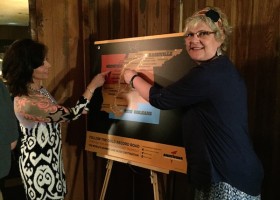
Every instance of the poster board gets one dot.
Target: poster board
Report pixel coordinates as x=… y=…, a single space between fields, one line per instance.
x=124 y=126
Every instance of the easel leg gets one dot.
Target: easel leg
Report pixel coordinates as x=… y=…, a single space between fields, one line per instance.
x=154 y=181
x=106 y=180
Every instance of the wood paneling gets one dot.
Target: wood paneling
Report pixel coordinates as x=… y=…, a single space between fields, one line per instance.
x=69 y=26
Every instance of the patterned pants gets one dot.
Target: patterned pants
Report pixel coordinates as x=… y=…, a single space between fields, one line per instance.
x=223 y=191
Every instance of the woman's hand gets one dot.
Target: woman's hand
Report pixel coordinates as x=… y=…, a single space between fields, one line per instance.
x=13 y=144
x=128 y=74
x=98 y=80
x=139 y=84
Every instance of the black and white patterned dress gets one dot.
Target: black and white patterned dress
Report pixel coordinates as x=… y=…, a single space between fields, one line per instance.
x=40 y=162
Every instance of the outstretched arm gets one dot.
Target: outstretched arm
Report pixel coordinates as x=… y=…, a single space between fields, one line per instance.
x=39 y=108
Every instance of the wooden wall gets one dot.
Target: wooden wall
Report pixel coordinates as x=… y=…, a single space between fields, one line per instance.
x=68 y=27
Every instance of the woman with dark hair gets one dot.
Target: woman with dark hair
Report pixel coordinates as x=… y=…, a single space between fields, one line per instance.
x=222 y=163
x=40 y=162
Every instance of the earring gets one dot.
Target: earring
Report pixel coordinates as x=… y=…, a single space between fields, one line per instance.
x=219 y=52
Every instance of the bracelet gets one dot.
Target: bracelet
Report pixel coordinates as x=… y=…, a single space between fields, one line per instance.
x=131 y=80
x=91 y=91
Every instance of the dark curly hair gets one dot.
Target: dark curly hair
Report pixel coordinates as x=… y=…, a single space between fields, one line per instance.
x=20 y=60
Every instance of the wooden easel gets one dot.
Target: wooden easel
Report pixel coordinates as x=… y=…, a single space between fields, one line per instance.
x=106 y=179
x=153 y=175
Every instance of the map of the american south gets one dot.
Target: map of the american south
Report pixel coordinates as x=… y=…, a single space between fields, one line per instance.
x=121 y=124
x=120 y=100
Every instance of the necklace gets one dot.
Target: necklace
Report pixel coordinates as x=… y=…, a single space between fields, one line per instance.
x=44 y=92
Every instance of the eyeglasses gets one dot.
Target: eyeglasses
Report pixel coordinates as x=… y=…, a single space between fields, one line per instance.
x=199 y=34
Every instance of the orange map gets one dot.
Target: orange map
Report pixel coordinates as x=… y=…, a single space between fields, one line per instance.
x=122 y=101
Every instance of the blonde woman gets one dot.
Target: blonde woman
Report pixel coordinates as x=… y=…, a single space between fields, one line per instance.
x=221 y=160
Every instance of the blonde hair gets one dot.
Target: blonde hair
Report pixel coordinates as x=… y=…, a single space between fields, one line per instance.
x=221 y=27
